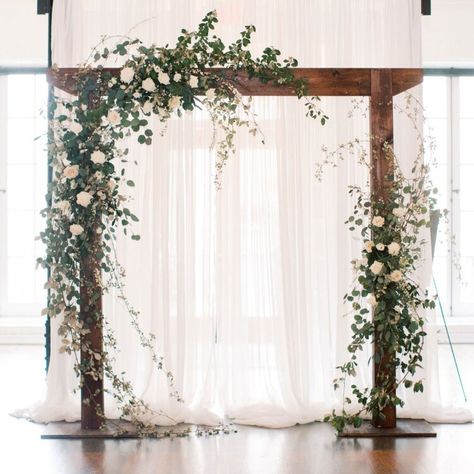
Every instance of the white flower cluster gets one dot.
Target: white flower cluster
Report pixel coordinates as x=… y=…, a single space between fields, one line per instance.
x=393 y=249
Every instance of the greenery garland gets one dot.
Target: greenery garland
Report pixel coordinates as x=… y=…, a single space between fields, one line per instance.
x=386 y=299
x=86 y=194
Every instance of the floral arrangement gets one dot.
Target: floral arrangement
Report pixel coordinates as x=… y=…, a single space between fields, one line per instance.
x=386 y=299
x=87 y=197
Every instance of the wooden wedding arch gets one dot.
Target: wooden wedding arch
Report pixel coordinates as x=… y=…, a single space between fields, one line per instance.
x=380 y=85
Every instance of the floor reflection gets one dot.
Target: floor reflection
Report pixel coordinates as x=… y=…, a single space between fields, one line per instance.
x=310 y=449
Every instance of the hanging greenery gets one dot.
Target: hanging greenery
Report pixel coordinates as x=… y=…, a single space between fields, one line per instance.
x=89 y=202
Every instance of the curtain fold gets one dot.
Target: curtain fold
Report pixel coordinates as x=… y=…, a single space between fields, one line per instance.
x=243 y=286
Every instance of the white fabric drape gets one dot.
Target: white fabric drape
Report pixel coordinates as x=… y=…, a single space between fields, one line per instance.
x=243 y=286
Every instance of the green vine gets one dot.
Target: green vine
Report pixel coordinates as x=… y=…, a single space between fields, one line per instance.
x=87 y=195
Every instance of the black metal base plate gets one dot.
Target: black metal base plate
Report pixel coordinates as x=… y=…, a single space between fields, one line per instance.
x=405 y=429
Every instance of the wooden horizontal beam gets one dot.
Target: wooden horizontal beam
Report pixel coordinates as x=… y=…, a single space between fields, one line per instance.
x=321 y=82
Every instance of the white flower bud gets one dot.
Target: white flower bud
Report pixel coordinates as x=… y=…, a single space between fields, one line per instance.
x=75 y=127
x=376 y=267
x=395 y=276
x=399 y=211
x=394 y=248
x=84 y=198
x=76 y=229
x=71 y=172
x=148 y=84
x=378 y=221
x=127 y=74
x=368 y=245
x=97 y=157
x=163 y=78
x=211 y=94
x=113 y=117
x=193 y=82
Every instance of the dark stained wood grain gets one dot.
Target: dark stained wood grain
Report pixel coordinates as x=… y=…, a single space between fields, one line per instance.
x=92 y=389
x=381 y=135
x=321 y=81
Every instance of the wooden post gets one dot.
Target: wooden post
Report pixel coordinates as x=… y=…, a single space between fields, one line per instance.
x=381 y=135
x=92 y=390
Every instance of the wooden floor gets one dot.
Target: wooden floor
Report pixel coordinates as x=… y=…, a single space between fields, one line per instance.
x=302 y=449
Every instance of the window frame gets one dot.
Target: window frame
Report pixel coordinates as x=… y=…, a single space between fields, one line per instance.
x=453 y=307
x=22 y=311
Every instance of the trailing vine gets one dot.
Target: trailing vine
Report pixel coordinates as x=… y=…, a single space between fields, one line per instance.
x=88 y=201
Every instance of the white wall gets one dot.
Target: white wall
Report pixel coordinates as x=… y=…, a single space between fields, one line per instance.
x=23 y=34
x=448 y=34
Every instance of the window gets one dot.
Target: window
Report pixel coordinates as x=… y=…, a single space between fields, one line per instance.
x=23 y=184
x=449 y=104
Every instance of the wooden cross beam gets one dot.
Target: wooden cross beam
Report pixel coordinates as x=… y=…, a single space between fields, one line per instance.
x=321 y=81
x=378 y=84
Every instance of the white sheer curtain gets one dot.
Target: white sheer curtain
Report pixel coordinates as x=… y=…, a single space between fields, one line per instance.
x=243 y=286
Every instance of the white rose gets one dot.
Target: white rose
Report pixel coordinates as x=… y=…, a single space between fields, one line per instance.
x=147 y=107
x=372 y=300
x=211 y=94
x=112 y=184
x=64 y=207
x=137 y=95
x=194 y=81
x=126 y=75
x=376 y=267
x=368 y=245
x=71 y=172
x=378 y=221
x=174 y=102
x=393 y=248
x=177 y=77
x=75 y=127
x=395 y=276
x=380 y=247
x=399 y=211
x=360 y=263
x=84 y=198
x=163 y=78
x=114 y=117
x=148 y=84
x=97 y=157
x=76 y=229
